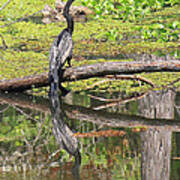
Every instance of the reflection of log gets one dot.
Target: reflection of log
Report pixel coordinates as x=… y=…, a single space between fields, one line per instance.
x=89 y=71
x=119 y=120
x=158 y=104
x=97 y=117
x=25 y=101
x=156 y=153
x=156 y=143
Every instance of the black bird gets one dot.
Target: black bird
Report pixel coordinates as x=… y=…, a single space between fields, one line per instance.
x=61 y=51
x=63 y=134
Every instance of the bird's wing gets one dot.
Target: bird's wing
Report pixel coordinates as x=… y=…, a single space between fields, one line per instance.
x=60 y=50
x=65 y=47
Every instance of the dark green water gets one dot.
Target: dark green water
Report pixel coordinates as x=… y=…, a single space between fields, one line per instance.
x=137 y=139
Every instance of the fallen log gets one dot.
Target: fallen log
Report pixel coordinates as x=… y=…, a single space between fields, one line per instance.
x=90 y=71
x=25 y=83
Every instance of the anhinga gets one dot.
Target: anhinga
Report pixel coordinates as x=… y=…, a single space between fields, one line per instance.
x=63 y=134
x=61 y=51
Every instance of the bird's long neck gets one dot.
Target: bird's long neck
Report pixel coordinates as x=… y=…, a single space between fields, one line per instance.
x=68 y=17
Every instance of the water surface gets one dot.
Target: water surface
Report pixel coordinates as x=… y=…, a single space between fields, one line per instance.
x=135 y=138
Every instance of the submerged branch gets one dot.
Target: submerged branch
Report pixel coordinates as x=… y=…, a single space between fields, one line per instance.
x=115 y=102
x=90 y=71
x=130 y=77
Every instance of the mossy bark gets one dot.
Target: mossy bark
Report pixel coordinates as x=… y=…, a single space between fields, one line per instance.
x=89 y=71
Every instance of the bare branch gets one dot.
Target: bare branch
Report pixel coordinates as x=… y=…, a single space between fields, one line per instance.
x=25 y=140
x=130 y=77
x=3 y=42
x=173 y=82
x=40 y=128
x=4 y=5
x=116 y=102
x=98 y=83
x=23 y=113
x=6 y=108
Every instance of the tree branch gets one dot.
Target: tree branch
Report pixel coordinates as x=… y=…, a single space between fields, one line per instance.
x=3 y=42
x=4 y=5
x=90 y=71
x=130 y=77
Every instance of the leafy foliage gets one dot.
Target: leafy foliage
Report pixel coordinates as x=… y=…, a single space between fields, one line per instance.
x=26 y=138
x=110 y=37
x=126 y=9
x=161 y=32
x=135 y=10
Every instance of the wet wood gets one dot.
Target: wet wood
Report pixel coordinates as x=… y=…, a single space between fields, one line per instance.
x=131 y=77
x=156 y=143
x=25 y=101
x=119 y=120
x=89 y=115
x=21 y=84
x=90 y=71
x=158 y=104
x=156 y=154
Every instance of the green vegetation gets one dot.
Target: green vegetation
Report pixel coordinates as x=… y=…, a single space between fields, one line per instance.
x=26 y=138
x=135 y=11
x=120 y=30
x=127 y=9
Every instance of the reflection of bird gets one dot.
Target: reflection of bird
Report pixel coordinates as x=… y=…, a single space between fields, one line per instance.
x=61 y=50
x=63 y=134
